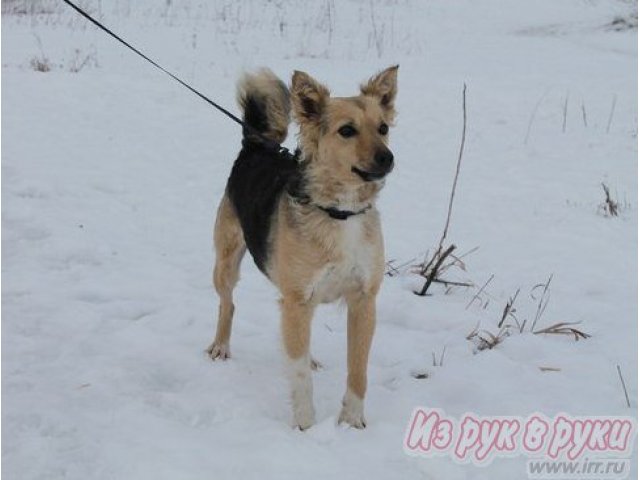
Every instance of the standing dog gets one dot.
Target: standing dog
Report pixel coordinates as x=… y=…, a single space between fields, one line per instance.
x=310 y=222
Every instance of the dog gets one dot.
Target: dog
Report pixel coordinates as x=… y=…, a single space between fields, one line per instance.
x=309 y=221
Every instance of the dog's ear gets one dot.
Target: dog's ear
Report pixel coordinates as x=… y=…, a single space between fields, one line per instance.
x=384 y=87
x=309 y=97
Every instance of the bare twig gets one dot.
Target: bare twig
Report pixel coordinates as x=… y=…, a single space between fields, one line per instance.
x=457 y=259
x=509 y=309
x=428 y=261
x=447 y=283
x=477 y=295
x=564 y=113
x=455 y=178
x=432 y=269
x=393 y=270
x=624 y=386
x=543 y=302
x=378 y=34
x=533 y=114
x=613 y=107
x=584 y=115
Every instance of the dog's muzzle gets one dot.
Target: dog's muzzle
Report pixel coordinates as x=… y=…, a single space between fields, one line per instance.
x=383 y=164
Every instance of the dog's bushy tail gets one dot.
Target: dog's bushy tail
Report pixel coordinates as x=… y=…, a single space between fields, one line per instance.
x=264 y=99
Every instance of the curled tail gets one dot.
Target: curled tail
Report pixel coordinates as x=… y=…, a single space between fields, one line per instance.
x=264 y=99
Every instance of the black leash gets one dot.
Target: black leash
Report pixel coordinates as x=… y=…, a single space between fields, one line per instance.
x=268 y=142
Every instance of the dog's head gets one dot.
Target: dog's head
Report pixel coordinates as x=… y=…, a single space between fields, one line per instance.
x=345 y=138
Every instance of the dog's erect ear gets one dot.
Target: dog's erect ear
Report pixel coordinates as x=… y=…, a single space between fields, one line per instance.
x=384 y=87
x=309 y=97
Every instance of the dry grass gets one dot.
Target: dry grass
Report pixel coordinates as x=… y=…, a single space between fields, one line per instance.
x=80 y=60
x=439 y=362
x=509 y=322
x=510 y=312
x=485 y=340
x=563 y=328
x=543 y=301
x=393 y=269
x=40 y=64
x=609 y=207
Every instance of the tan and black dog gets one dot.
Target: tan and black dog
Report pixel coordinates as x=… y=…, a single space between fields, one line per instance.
x=310 y=222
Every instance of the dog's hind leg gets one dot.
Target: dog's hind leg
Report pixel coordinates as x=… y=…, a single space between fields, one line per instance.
x=230 y=248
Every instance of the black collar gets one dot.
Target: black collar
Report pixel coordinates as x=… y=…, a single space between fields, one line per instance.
x=296 y=190
x=341 y=214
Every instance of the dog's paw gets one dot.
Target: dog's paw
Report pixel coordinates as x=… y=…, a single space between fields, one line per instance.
x=352 y=411
x=304 y=416
x=219 y=351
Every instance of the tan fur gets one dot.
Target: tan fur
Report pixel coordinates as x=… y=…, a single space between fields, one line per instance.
x=383 y=87
x=274 y=93
x=314 y=258
x=230 y=248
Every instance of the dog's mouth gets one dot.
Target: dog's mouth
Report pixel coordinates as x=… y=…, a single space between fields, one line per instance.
x=369 y=176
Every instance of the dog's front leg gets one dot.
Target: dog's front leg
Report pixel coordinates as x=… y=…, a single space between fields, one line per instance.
x=296 y=333
x=360 y=328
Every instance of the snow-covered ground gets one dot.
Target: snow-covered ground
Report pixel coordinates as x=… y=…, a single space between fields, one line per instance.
x=111 y=175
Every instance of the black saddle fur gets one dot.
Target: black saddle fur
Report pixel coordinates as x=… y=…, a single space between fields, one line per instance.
x=259 y=177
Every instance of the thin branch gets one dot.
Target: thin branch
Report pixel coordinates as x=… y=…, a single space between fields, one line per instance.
x=624 y=386
x=432 y=268
x=446 y=283
x=564 y=113
x=613 y=107
x=543 y=302
x=455 y=178
x=468 y=252
x=477 y=295
x=533 y=114
x=427 y=264
x=457 y=261
x=434 y=271
x=391 y=269
x=508 y=309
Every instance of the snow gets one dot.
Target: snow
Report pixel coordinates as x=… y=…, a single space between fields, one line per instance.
x=111 y=178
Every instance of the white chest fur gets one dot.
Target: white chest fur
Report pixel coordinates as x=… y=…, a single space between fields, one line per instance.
x=352 y=263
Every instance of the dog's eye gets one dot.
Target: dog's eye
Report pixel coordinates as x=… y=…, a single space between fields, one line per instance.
x=384 y=129
x=347 y=131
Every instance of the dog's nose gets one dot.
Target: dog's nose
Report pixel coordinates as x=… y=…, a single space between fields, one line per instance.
x=384 y=158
